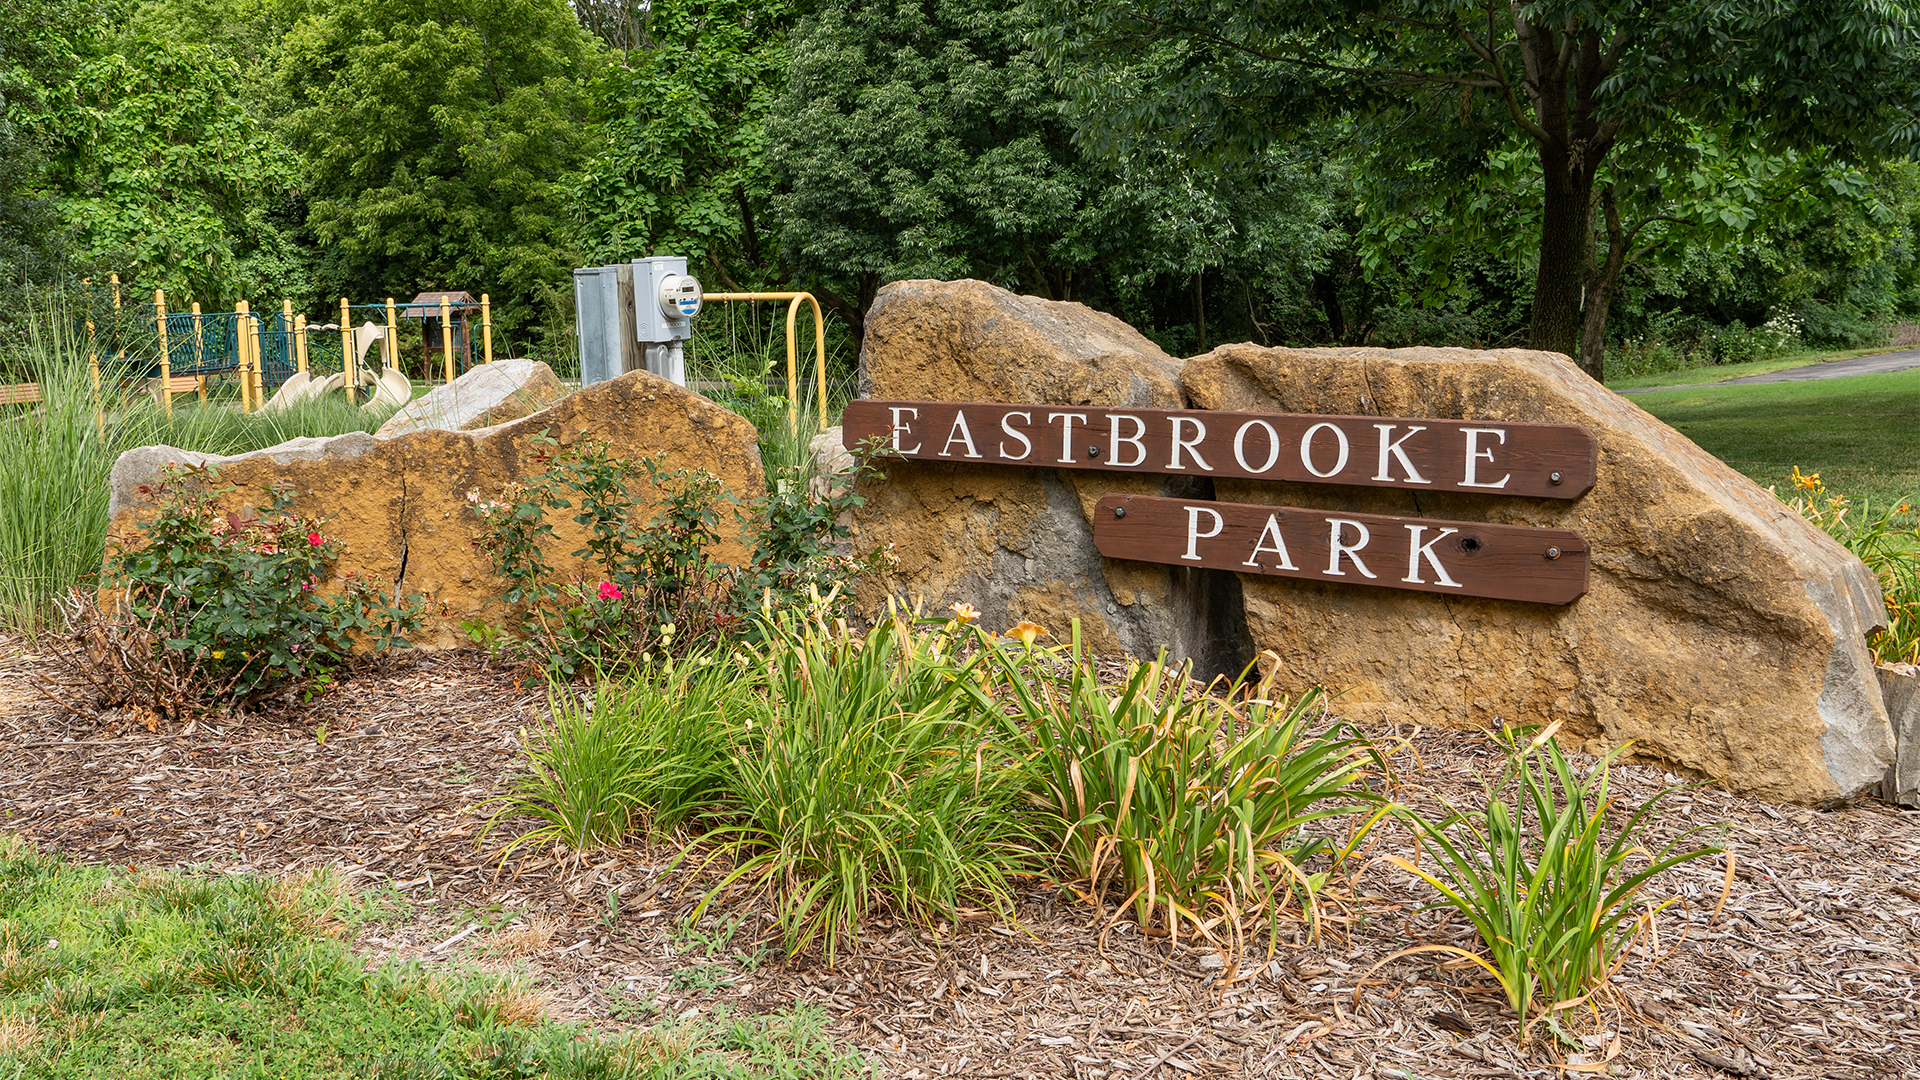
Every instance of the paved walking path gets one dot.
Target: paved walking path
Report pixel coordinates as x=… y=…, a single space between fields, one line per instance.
x=1876 y=364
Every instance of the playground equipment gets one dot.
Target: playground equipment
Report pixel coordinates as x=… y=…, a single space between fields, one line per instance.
x=390 y=387
x=278 y=359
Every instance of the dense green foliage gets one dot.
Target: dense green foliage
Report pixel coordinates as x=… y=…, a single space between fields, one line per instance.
x=1577 y=132
x=1288 y=171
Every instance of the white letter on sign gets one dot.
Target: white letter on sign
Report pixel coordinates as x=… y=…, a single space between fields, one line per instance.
x=1194 y=535
x=1240 y=445
x=1420 y=551
x=1351 y=551
x=899 y=427
x=1393 y=447
x=1192 y=445
x=1279 y=546
x=1026 y=445
x=1475 y=455
x=1066 y=431
x=1306 y=451
x=1133 y=440
x=960 y=434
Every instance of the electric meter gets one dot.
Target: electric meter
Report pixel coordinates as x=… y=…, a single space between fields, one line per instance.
x=680 y=296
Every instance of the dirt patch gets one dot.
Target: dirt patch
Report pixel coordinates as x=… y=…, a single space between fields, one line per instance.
x=1808 y=971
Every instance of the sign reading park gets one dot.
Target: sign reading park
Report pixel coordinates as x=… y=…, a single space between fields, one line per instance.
x=1506 y=562
x=1543 y=461
x=1501 y=562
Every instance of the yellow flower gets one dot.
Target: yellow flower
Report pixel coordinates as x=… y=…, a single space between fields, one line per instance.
x=1810 y=481
x=965 y=612
x=1026 y=631
x=1904 y=508
x=219 y=654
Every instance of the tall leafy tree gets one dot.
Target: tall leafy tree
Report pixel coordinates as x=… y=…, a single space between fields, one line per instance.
x=1600 y=94
x=679 y=165
x=434 y=134
x=924 y=140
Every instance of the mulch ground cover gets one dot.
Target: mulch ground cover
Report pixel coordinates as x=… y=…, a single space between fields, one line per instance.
x=1808 y=970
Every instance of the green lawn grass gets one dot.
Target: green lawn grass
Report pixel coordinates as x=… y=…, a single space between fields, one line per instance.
x=106 y=972
x=1722 y=372
x=1860 y=433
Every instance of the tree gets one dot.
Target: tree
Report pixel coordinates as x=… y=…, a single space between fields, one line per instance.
x=680 y=166
x=1602 y=95
x=160 y=170
x=434 y=135
x=924 y=140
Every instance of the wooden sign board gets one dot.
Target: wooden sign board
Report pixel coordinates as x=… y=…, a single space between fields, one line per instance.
x=1461 y=558
x=1544 y=461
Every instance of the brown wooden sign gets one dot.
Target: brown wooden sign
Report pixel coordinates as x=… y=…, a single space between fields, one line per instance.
x=1545 y=461
x=1461 y=558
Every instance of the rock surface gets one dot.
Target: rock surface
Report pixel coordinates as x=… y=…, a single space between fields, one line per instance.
x=400 y=504
x=489 y=394
x=1722 y=633
x=1900 y=688
x=1018 y=543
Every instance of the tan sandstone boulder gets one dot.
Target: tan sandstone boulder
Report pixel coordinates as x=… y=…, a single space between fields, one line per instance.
x=487 y=395
x=1018 y=543
x=400 y=504
x=1900 y=687
x=1721 y=632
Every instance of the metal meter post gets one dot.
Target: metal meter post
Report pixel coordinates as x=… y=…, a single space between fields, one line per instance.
x=665 y=301
x=603 y=320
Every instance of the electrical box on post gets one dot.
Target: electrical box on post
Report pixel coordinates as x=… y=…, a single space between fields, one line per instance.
x=666 y=300
x=603 y=310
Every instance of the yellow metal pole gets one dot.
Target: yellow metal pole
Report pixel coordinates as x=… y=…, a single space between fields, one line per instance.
x=486 y=326
x=166 y=368
x=446 y=334
x=300 y=342
x=200 y=351
x=242 y=345
x=820 y=349
x=390 y=341
x=115 y=279
x=350 y=370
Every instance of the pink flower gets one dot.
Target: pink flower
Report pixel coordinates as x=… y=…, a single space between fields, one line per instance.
x=610 y=591
x=314 y=539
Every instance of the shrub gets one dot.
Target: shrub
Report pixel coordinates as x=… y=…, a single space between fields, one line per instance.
x=875 y=780
x=218 y=606
x=655 y=588
x=1890 y=552
x=1552 y=887
x=1197 y=808
x=652 y=746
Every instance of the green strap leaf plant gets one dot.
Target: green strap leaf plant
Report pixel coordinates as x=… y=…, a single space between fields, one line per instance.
x=1555 y=891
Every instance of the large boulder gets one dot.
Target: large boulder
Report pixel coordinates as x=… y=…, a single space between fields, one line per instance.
x=1018 y=543
x=401 y=504
x=488 y=395
x=1900 y=686
x=1721 y=633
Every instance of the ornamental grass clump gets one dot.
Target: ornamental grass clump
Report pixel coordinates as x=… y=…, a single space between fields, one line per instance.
x=648 y=750
x=1204 y=813
x=874 y=782
x=1556 y=891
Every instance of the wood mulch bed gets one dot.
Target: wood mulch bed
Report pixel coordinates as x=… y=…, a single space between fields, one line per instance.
x=1808 y=971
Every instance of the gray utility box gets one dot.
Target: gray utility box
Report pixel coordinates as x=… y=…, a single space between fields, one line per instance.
x=666 y=299
x=603 y=318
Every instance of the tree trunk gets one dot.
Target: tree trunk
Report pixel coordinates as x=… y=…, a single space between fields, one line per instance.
x=1565 y=70
x=1593 y=337
x=1561 y=276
